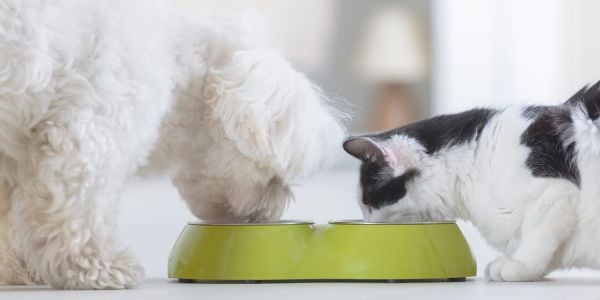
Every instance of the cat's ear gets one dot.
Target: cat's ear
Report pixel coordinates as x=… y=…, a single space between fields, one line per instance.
x=365 y=149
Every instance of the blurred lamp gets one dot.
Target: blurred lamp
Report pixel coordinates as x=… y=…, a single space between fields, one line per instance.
x=391 y=55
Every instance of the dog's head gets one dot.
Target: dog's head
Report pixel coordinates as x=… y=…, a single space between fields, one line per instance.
x=268 y=126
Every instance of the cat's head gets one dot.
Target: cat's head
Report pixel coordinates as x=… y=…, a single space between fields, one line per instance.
x=409 y=173
x=393 y=178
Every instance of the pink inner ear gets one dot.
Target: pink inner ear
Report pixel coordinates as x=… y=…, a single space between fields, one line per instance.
x=390 y=157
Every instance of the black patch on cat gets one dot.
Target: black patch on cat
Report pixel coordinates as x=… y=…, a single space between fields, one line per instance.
x=380 y=187
x=445 y=130
x=550 y=156
x=590 y=98
x=534 y=111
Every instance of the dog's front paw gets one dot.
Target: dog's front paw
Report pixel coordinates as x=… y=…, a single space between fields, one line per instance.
x=122 y=272
x=508 y=269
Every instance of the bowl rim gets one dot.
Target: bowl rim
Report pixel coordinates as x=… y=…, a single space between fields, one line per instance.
x=361 y=222
x=306 y=222
x=275 y=223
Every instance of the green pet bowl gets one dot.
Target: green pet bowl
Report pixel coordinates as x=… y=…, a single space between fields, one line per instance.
x=301 y=251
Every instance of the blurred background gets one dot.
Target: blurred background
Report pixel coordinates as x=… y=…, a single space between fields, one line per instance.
x=389 y=63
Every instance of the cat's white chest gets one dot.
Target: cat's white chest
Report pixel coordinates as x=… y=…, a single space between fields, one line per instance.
x=498 y=224
x=496 y=197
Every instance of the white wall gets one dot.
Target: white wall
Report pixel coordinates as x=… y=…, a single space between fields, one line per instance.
x=497 y=53
x=302 y=28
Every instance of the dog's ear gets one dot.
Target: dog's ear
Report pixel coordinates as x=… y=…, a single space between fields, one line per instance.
x=273 y=114
x=239 y=93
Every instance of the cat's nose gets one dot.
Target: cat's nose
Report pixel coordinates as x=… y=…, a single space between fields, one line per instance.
x=373 y=216
x=378 y=215
x=366 y=212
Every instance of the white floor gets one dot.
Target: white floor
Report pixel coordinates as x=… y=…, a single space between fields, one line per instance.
x=152 y=216
x=560 y=288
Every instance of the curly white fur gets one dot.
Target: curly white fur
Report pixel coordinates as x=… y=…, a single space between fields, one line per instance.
x=92 y=92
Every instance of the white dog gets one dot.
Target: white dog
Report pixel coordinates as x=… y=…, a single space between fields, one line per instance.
x=92 y=92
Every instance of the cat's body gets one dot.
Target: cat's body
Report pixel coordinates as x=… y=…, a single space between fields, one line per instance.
x=526 y=177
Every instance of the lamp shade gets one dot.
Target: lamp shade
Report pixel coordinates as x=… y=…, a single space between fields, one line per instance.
x=392 y=48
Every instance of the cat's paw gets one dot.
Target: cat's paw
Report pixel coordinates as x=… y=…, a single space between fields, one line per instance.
x=508 y=269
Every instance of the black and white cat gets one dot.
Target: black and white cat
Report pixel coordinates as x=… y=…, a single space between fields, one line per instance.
x=526 y=177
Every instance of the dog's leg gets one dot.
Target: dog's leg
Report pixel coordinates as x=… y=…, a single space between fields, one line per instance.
x=65 y=208
x=12 y=265
x=547 y=223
